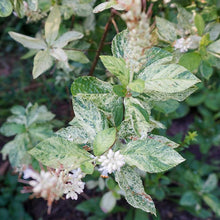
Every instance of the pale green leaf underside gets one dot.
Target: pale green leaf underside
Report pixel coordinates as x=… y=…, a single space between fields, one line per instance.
x=42 y=62
x=57 y=152
x=66 y=38
x=29 y=42
x=103 y=6
x=151 y=155
x=170 y=78
x=104 y=140
x=52 y=25
x=131 y=183
x=77 y=56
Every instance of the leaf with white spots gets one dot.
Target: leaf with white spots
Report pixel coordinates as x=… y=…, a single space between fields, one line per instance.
x=130 y=182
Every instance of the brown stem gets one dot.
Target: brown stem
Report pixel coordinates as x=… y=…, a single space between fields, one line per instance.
x=101 y=45
x=72 y=22
x=115 y=25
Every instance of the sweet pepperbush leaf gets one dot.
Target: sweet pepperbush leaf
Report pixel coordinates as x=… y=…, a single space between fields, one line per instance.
x=151 y=155
x=130 y=182
x=56 y=152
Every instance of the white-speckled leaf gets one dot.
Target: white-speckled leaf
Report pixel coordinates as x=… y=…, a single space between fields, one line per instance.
x=101 y=95
x=74 y=133
x=151 y=155
x=130 y=182
x=57 y=152
x=59 y=54
x=33 y=4
x=89 y=116
x=119 y=44
x=42 y=62
x=52 y=25
x=184 y=18
x=66 y=38
x=29 y=42
x=6 y=8
x=166 y=30
x=171 y=78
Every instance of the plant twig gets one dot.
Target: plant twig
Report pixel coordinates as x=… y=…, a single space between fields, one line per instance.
x=101 y=44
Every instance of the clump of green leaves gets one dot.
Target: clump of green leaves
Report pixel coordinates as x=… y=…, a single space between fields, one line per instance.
x=29 y=125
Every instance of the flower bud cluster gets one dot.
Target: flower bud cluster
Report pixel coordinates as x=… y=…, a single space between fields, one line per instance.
x=139 y=34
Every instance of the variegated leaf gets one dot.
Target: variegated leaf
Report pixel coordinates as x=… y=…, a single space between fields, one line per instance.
x=166 y=30
x=170 y=78
x=119 y=44
x=6 y=8
x=77 y=56
x=105 y=5
x=89 y=116
x=29 y=42
x=130 y=182
x=214 y=48
x=151 y=155
x=57 y=152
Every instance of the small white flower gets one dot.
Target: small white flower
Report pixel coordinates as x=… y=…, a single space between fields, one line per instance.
x=183 y=44
x=74 y=185
x=111 y=162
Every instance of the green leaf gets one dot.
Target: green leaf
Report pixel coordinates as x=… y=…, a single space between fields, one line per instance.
x=166 y=107
x=137 y=85
x=42 y=62
x=10 y=129
x=66 y=38
x=190 y=61
x=56 y=152
x=16 y=150
x=166 y=30
x=189 y=198
x=29 y=42
x=52 y=25
x=206 y=69
x=210 y=184
x=131 y=184
x=87 y=168
x=104 y=140
x=5 y=8
x=90 y=85
x=77 y=56
x=214 y=48
x=119 y=44
x=213 y=202
x=184 y=18
x=120 y=90
x=117 y=66
x=170 y=78
x=151 y=155
x=200 y=24
x=107 y=202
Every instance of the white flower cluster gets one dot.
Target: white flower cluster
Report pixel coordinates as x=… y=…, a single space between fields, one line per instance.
x=52 y=185
x=184 y=44
x=111 y=162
